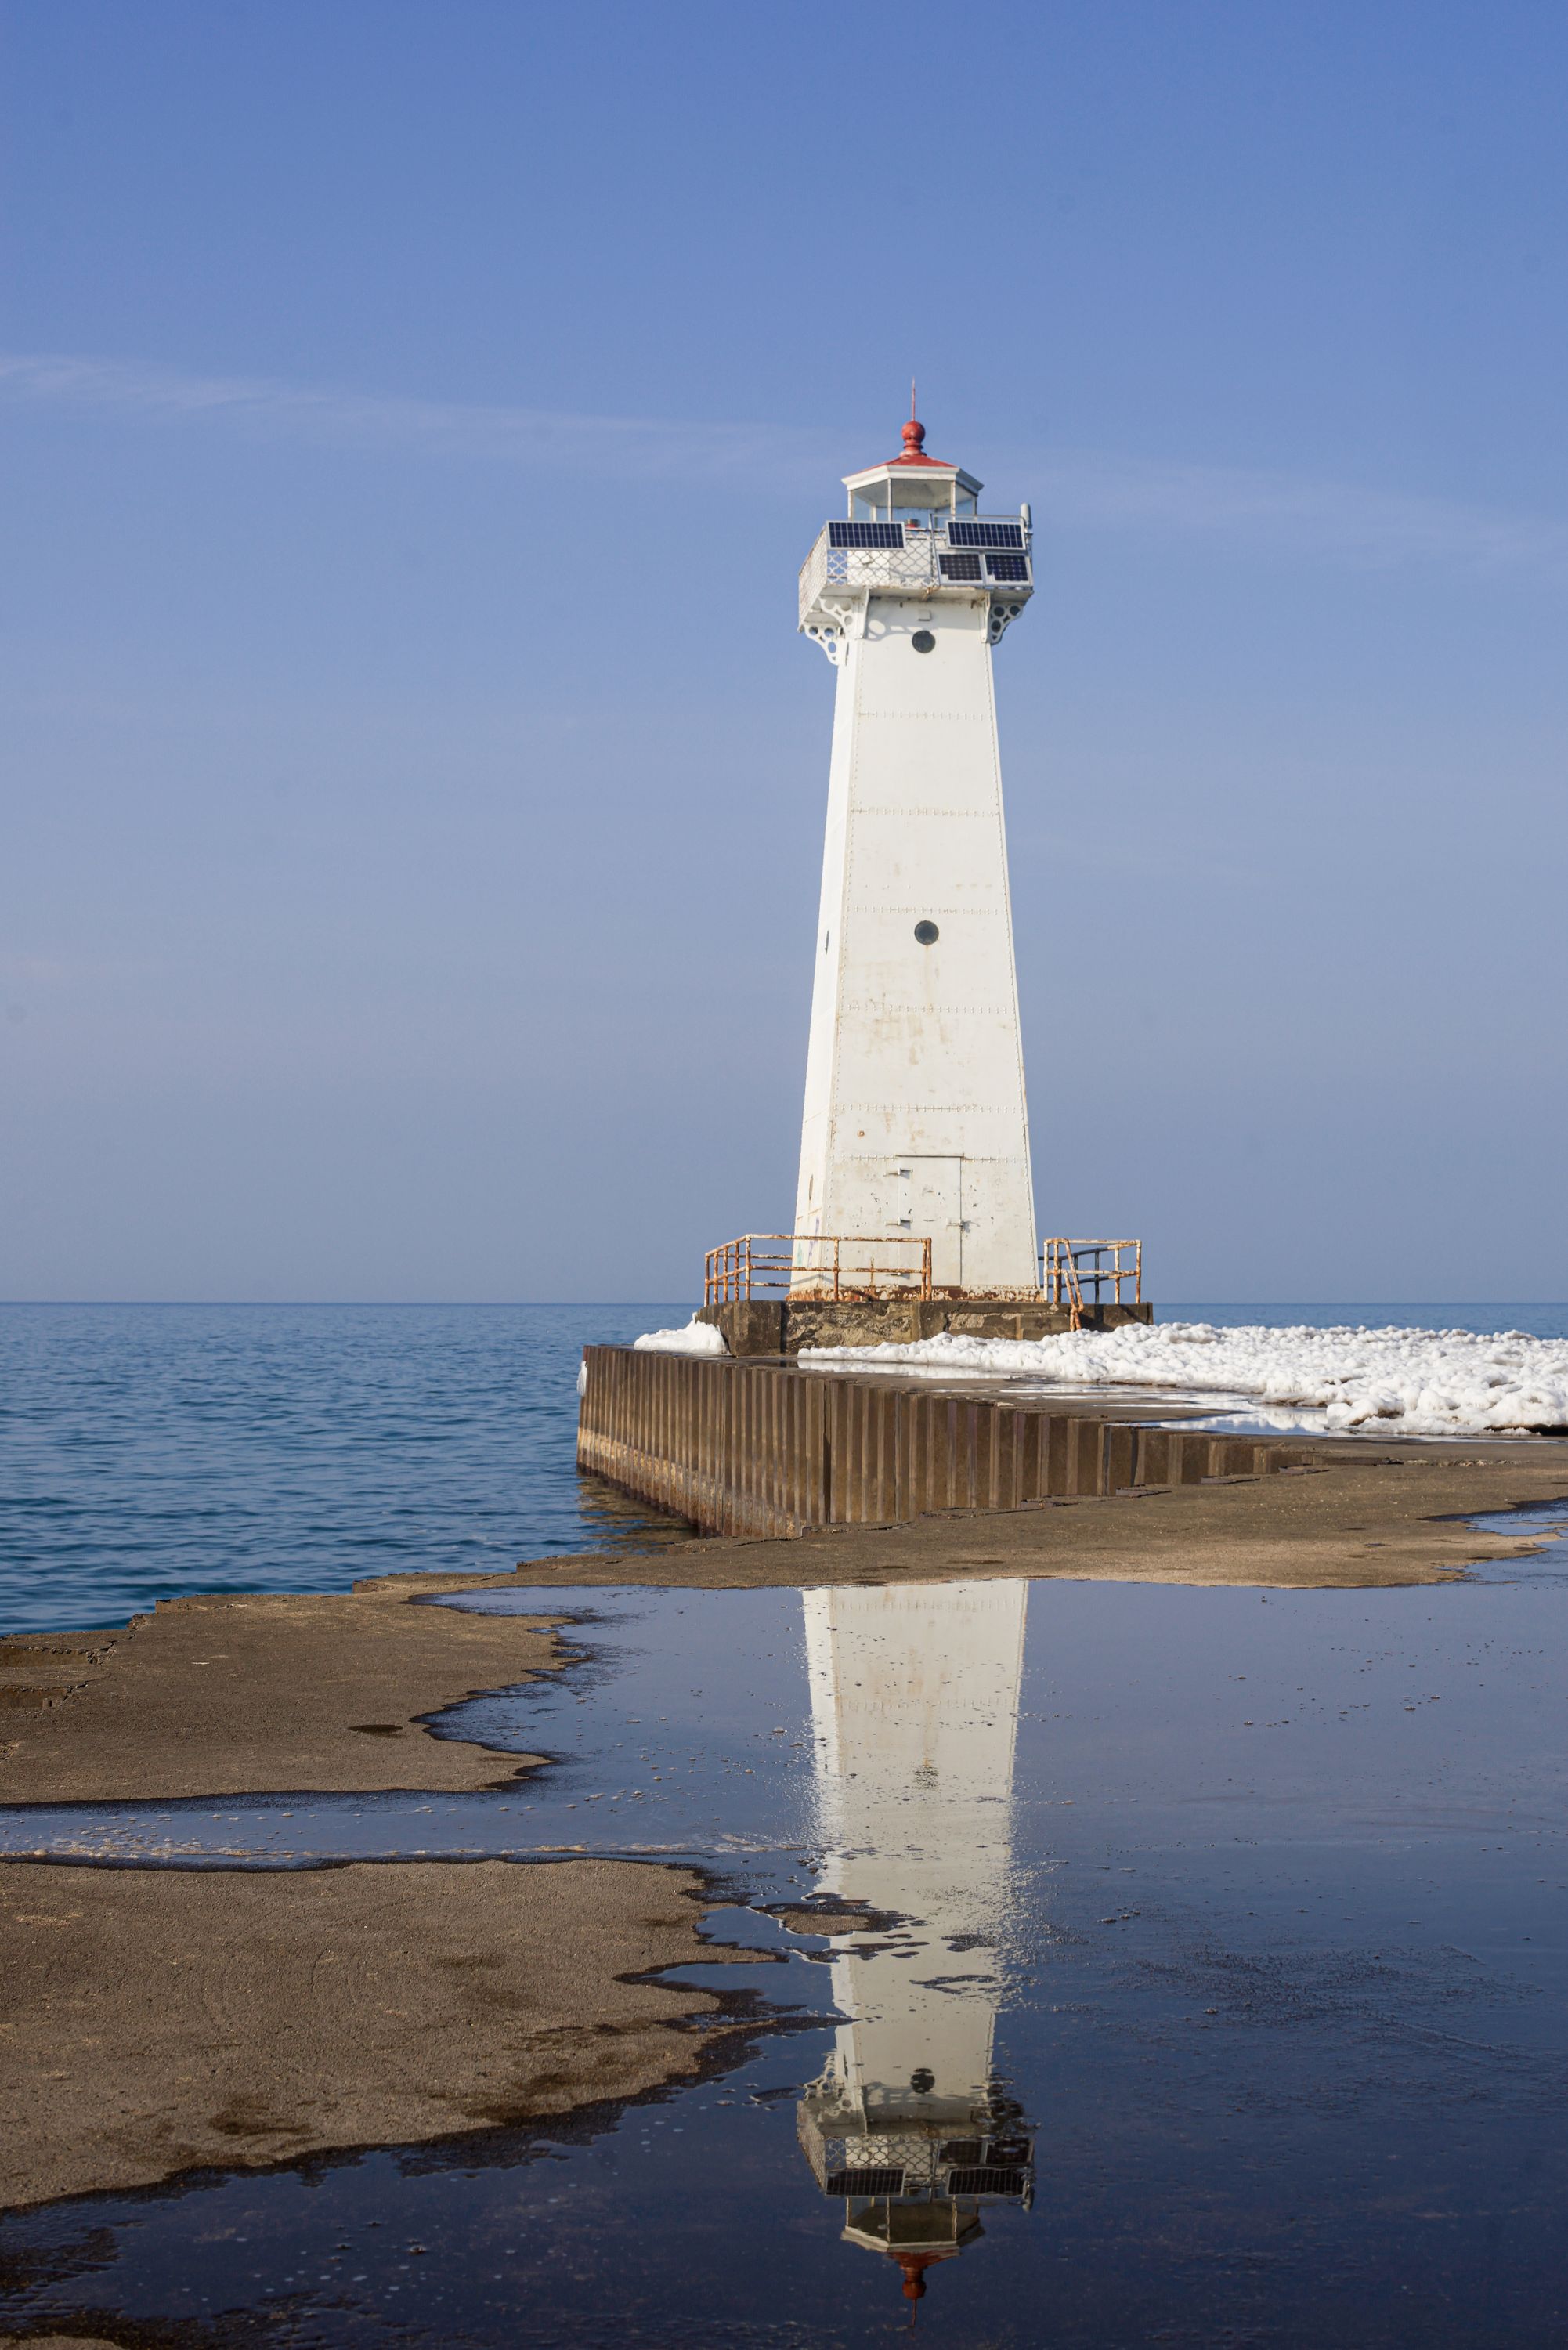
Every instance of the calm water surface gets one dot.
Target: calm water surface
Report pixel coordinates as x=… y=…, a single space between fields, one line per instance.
x=147 y=1450
x=1211 y=1990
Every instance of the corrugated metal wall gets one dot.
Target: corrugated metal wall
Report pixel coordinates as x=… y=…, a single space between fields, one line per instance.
x=753 y=1448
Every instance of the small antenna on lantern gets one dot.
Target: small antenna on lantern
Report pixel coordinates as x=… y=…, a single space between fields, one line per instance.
x=914 y=408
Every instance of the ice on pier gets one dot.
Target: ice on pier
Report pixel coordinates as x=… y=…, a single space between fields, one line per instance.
x=1392 y=1381
x=695 y=1339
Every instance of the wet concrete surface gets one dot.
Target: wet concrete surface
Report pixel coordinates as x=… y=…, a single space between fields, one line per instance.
x=222 y=1695
x=164 y=2021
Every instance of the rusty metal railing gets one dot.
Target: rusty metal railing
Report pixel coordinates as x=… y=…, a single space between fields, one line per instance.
x=832 y=1265
x=1068 y=1268
x=818 y=1265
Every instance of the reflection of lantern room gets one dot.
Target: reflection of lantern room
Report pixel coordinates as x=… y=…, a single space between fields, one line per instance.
x=914 y=2175
x=920 y=2146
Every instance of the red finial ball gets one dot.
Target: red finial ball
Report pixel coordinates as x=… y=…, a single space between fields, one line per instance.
x=914 y=437
x=913 y=2265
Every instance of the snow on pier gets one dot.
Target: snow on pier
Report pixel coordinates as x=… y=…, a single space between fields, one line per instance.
x=1388 y=1381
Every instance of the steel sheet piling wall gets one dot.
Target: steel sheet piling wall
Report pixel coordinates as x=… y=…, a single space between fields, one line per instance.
x=741 y=1447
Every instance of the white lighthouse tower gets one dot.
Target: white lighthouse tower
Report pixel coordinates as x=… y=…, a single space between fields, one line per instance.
x=915 y=1116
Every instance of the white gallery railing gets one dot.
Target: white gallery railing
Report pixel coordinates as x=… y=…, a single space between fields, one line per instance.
x=943 y=555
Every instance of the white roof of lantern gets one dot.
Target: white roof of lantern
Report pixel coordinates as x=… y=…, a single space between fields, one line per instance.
x=914 y=473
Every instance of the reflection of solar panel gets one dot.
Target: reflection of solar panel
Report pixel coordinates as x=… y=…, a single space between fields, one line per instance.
x=865 y=533
x=986 y=2178
x=985 y=533
x=961 y=566
x=1008 y=567
x=864 y=2182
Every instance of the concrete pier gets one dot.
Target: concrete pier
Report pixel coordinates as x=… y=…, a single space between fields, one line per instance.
x=747 y=1446
x=782 y=1325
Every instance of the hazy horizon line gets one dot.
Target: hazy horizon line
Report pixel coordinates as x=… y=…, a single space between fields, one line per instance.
x=556 y=1305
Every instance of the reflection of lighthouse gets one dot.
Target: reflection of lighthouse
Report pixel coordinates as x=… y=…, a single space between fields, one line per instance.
x=914 y=1695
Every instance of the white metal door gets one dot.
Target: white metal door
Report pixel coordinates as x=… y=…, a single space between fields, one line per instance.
x=926 y=1196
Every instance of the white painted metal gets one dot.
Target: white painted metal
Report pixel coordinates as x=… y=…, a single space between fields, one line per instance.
x=916 y=1119
x=918 y=564
x=914 y=1701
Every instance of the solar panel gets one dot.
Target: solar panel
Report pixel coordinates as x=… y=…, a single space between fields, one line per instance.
x=1008 y=567
x=961 y=566
x=985 y=533
x=865 y=533
x=864 y=2182
x=986 y=2178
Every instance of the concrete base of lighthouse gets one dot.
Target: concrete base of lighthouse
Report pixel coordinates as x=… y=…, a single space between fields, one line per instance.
x=782 y=1325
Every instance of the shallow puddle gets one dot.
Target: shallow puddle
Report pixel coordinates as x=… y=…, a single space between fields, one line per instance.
x=1547 y=1523
x=1206 y=1984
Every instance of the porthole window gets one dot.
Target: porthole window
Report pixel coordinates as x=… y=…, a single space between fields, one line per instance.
x=923 y=641
x=927 y=933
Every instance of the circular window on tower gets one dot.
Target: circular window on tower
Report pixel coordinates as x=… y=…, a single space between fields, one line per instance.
x=927 y=933
x=923 y=641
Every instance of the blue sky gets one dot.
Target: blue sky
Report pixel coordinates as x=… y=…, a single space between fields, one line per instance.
x=412 y=419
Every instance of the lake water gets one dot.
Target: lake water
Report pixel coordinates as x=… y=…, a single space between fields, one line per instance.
x=1210 y=1991
x=147 y=1450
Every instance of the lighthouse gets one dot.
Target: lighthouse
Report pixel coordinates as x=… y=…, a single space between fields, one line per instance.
x=915 y=1204
x=916 y=1126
